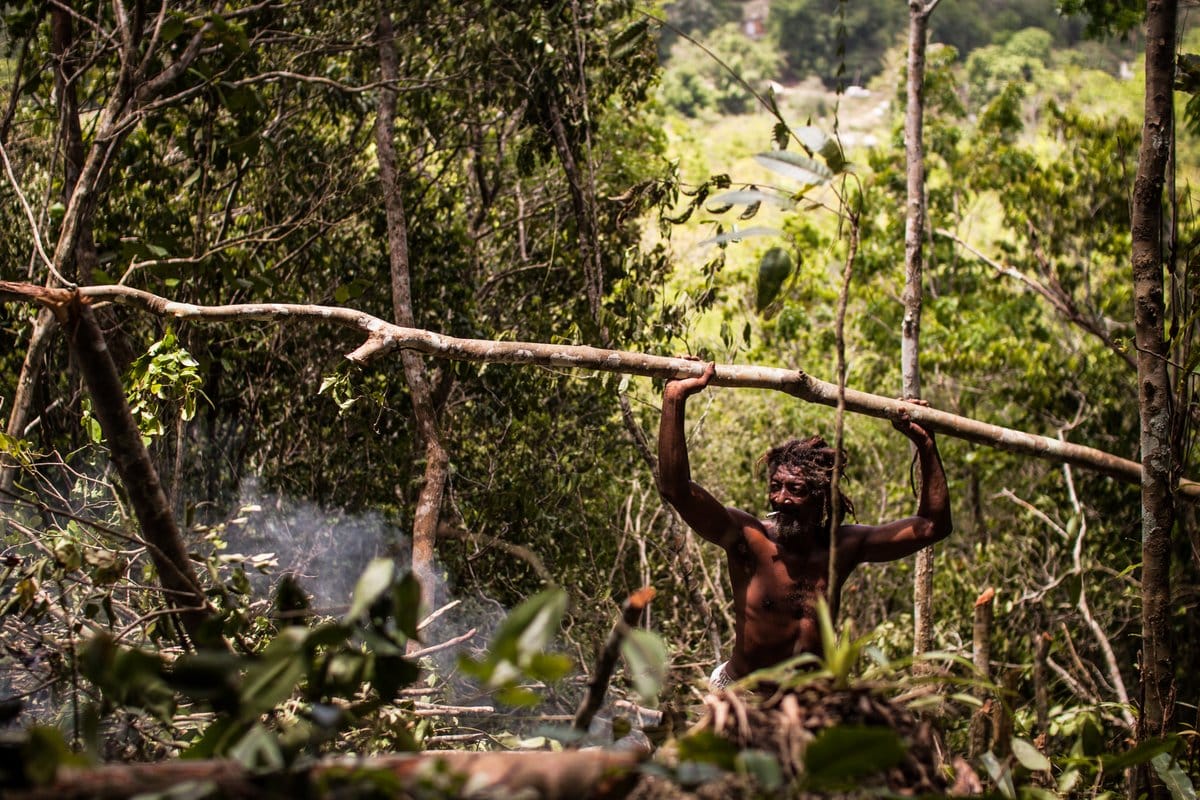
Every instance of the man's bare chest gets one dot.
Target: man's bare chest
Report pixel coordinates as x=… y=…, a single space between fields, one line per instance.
x=775 y=581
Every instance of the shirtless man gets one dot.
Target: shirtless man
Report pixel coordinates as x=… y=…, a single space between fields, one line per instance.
x=779 y=566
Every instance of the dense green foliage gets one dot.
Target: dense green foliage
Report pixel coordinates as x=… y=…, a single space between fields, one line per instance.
x=254 y=178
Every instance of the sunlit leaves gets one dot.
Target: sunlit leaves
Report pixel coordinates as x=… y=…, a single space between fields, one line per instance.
x=373 y=582
x=805 y=171
x=1030 y=757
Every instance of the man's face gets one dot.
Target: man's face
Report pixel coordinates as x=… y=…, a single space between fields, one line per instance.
x=798 y=499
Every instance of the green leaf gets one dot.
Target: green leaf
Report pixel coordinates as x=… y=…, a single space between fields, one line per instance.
x=708 y=748
x=273 y=679
x=258 y=749
x=1142 y=753
x=327 y=634
x=211 y=676
x=646 y=658
x=762 y=766
x=1000 y=774
x=518 y=696
x=393 y=673
x=530 y=626
x=1030 y=757
x=795 y=166
x=519 y=644
x=851 y=751
x=812 y=138
x=773 y=270
x=216 y=740
x=628 y=40
x=373 y=582
x=406 y=604
x=549 y=667
x=43 y=752
x=1173 y=776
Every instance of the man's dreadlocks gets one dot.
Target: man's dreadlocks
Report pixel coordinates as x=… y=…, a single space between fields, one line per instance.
x=813 y=458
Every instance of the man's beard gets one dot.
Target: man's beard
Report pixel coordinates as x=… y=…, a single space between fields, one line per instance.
x=791 y=528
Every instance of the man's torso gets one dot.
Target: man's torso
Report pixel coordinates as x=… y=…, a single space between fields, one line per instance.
x=776 y=590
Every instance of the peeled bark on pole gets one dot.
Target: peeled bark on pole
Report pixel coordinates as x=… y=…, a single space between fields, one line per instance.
x=1154 y=386
x=181 y=589
x=384 y=337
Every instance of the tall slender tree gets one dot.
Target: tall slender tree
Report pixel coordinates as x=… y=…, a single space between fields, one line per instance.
x=1159 y=461
x=914 y=264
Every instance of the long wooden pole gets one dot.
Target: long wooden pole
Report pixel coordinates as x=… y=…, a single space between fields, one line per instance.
x=384 y=337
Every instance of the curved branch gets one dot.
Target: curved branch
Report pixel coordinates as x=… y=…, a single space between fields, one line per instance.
x=384 y=337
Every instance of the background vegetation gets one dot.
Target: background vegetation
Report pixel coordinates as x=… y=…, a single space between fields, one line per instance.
x=253 y=176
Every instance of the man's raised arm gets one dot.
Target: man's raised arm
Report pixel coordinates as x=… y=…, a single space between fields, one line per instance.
x=699 y=509
x=932 y=522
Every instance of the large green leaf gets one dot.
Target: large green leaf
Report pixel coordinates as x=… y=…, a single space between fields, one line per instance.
x=773 y=270
x=1142 y=753
x=1030 y=757
x=273 y=678
x=851 y=751
x=1000 y=774
x=799 y=168
x=762 y=766
x=707 y=747
x=1176 y=780
x=531 y=626
x=519 y=644
x=646 y=658
x=373 y=582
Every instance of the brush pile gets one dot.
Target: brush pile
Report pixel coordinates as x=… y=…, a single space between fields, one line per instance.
x=827 y=742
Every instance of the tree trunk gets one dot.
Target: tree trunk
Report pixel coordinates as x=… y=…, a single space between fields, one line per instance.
x=181 y=589
x=914 y=236
x=429 y=501
x=1154 y=388
x=82 y=257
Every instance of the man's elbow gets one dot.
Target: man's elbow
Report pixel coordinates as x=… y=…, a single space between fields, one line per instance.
x=942 y=527
x=671 y=491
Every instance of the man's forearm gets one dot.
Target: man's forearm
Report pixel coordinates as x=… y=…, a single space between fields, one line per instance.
x=935 y=494
x=674 y=471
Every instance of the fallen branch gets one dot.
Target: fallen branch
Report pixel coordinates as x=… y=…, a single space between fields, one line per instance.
x=440 y=646
x=631 y=612
x=181 y=589
x=384 y=337
x=549 y=776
